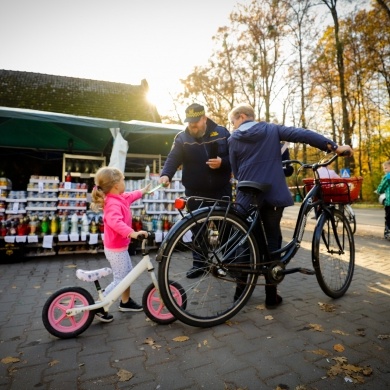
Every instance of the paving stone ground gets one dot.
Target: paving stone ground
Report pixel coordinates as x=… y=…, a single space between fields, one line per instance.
x=302 y=346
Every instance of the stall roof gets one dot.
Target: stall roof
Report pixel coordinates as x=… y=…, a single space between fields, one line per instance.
x=48 y=131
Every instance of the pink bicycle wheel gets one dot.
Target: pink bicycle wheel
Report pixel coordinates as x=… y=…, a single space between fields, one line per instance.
x=155 y=308
x=54 y=316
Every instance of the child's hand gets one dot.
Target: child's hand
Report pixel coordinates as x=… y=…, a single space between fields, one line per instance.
x=141 y=234
x=146 y=188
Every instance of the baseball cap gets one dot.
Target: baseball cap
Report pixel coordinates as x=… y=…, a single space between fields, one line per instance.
x=194 y=112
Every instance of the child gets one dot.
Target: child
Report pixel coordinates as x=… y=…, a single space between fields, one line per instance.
x=108 y=195
x=384 y=188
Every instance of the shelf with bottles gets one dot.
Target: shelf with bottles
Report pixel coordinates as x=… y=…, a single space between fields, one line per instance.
x=72 y=197
x=42 y=192
x=36 y=250
x=5 y=183
x=161 y=201
x=81 y=166
x=70 y=248
x=141 y=165
x=16 y=203
x=3 y=197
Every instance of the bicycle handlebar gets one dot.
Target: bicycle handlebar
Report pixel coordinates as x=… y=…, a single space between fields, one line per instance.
x=316 y=165
x=142 y=237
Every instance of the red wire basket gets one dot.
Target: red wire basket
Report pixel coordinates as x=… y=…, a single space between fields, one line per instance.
x=340 y=190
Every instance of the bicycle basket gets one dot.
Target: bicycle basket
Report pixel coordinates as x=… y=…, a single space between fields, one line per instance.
x=340 y=190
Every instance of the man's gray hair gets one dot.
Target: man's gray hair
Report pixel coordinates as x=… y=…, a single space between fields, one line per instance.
x=245 y=109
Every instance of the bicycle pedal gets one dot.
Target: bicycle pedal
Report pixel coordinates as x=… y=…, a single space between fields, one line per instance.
x=307 y=271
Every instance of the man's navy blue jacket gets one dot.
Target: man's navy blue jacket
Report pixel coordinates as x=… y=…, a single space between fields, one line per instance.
x=192 y=153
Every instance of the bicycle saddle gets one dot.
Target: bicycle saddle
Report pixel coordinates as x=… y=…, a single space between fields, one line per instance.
x=251 y=187
x=92 y=276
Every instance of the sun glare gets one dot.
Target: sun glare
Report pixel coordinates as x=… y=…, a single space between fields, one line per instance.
x=160 y=99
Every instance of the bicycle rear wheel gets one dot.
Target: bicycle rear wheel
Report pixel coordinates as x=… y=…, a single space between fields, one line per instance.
x=333 y=261
x=229 y=260
x=54 y=310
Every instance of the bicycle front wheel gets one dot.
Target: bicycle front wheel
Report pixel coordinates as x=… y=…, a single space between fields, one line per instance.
x=350 y=214
x=227 y=275
x=333 y=253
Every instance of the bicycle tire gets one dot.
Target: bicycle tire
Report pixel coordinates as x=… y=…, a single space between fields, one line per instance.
x=54 y=315
x=334 y=270
x=154 y=307
x=222 y=290
x=350 y=214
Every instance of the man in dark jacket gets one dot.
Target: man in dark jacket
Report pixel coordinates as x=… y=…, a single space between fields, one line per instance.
x=254 y=149
x=202 y=151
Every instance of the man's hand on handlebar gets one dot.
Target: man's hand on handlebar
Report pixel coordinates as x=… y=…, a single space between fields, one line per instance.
x=344 y=150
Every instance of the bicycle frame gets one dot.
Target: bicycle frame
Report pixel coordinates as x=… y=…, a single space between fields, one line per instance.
x=253 y=218
x=111 y=297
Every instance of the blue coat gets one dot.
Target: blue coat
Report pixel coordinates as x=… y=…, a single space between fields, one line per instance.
x=192 y=153
x=254 y=150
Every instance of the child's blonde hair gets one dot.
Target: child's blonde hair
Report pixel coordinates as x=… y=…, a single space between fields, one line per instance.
x=105 y=179
x=386 y=163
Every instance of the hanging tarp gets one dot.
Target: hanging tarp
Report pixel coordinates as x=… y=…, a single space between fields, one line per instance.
x=47 y=131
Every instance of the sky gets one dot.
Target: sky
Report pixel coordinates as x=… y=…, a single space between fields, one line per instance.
x=121 y=41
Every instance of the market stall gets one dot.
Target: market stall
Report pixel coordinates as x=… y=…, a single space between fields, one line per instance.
x=84 y=144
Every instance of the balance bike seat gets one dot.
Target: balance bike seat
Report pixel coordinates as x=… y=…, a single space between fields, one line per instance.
x=92 y=276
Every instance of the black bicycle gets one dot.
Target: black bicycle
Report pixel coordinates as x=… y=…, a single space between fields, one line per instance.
x=234 y=250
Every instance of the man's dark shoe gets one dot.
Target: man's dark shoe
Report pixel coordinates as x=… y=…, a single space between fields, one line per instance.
x=194 y=272
x=271 y=304
x=239 y=290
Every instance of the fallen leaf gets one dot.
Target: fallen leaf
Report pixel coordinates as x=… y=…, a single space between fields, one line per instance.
x=53 y=363
x=205 y=342
x=340 y=360
x=260 y=307
x=350 y=372
x=152 y=343
x=384 y=336
x=351 y=367
x=340 y=332
x=71 y=266
x=316 y=327
x=231 y=323
x=338 y=348
x=148 y=341
x=36 y=287
x=321 y=352
x=328 y=307
x=10 y=359
x=181 y=338
x=269 y=318
x=124 y=375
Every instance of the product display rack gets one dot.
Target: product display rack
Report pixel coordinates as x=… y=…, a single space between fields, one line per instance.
x=42 y=196
x=158 y=203
x=81 y=166
x=47 y=198
x=16 y=204
x=72 y=198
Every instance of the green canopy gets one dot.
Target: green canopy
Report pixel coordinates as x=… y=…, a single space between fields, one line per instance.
x=47 y=131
